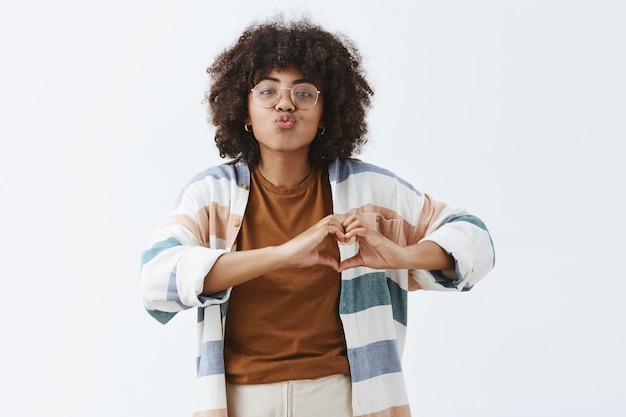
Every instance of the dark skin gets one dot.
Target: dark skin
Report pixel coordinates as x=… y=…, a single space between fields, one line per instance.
x=284 y=162
x=375 y=251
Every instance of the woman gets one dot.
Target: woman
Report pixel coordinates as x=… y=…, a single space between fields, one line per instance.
x=299 y=258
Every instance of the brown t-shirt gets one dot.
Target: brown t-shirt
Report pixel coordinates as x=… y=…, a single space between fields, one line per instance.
x=285 y=325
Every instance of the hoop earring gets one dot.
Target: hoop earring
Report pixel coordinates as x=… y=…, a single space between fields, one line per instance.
x=322 y=132
x=247 y=127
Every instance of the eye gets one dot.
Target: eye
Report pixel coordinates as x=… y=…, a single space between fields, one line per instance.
x=305 y=91
x=267 y=91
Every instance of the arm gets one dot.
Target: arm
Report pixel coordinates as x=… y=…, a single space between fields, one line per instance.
x=235 y=268
x=414 y=218
x=182 y=252
x=454 y=252
x=429 y=256
x=378 y=252
x=172 y=271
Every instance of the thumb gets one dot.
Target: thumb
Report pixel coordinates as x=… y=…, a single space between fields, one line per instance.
x=328 y=261
x=350 y=263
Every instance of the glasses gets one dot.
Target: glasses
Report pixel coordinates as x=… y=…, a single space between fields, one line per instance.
x=267 y=93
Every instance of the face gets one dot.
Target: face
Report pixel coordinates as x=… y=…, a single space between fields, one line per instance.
x=284 y=128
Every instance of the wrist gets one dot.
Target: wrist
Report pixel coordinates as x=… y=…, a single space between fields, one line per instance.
x=428 y=255
x=275 y=258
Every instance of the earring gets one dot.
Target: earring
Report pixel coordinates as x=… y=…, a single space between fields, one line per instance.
x=322 y=132
x=247 y=127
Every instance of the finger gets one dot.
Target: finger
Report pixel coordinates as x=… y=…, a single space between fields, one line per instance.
x=337 y=231
x=350 y=219
x=328 y=261
x=331 y=219
x=350 y=263
x=356 y=222
x=357 y=232
x=343 y=239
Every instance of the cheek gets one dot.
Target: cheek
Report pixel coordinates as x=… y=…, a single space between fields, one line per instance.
x=319 y=107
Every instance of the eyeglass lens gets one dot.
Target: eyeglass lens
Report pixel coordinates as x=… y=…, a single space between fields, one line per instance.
x=267 y=93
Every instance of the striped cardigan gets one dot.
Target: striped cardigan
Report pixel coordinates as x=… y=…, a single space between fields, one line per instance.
x=372 y=304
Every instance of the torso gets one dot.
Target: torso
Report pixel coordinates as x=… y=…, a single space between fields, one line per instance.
x=285 y=325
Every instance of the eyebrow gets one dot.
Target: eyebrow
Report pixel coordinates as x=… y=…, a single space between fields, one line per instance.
x=299 y=81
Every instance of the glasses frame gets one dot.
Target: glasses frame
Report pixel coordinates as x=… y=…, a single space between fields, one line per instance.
x=291 y=95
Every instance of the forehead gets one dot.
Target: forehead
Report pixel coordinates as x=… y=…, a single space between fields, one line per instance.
x=287 y=74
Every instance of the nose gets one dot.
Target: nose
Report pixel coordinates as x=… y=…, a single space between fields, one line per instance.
x=284 y=102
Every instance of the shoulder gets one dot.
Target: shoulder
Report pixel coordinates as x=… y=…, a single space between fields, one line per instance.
x=229 y=171
x=354 y=170
x=218 y=178
x=341 y=170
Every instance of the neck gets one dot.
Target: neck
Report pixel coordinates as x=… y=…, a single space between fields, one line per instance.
x=285 y=174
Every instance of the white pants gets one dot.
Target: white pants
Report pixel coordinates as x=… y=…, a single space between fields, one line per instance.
x=321 y=397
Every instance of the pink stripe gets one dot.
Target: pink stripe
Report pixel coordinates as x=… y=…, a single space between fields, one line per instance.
x=400 y=411
x=211 y=413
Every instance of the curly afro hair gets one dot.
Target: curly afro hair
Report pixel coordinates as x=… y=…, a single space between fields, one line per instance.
x=331 y=61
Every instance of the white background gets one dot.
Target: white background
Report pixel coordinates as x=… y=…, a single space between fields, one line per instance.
x=512 y=109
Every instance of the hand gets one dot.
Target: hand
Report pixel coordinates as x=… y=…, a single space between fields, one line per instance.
x=375 y=250
x=234 y=268
x=378 y=252
x=302 y=250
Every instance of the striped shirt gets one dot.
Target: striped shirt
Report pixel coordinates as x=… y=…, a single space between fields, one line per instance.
x=372 y=303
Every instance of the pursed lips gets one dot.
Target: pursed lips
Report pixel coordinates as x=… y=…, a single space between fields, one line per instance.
x=285 y=121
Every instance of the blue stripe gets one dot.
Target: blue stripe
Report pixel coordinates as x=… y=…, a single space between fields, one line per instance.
x=363 y=292
x=371 y=290
x=399 y=298
x=340 y=170
x=172 y=290
x=444 y=281
x=239 y=172
x=467 y=218
x=476 y=222
x=218 y=296
x=211 y=359
x=375 y=359
x=157 y=248
x=223 y=306
x=224 y=309
x=161 y=316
